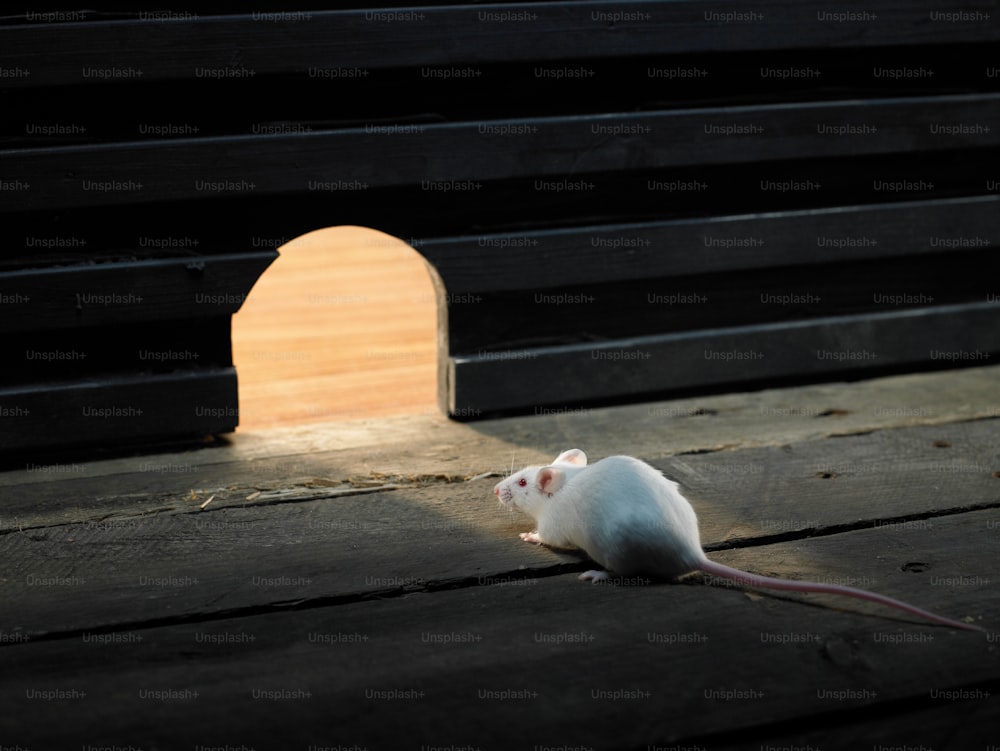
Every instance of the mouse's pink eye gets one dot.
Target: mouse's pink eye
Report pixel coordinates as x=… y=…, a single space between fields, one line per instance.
x=522 y=482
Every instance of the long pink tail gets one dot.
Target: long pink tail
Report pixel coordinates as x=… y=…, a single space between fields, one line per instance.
x=755 y=581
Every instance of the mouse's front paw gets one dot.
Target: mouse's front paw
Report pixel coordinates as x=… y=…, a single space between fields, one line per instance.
x=595 y=576
x=531 y=537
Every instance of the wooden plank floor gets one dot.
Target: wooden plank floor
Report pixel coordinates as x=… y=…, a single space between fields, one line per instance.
x=356 y=585
x=342 y=326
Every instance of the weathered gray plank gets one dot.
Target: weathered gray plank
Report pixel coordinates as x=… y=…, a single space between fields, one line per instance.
x=559 y=376
x=676 y=653
x=180 y=565
x=863 y=479
x=167 y=44
x=426 y=445
x=467 y=152
x=235 y=554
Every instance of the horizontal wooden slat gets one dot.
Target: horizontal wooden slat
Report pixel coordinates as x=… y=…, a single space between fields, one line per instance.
x=559 y=376
x=129 y=292
x=117 y=410
x=423 y=95
x=464 y=157
x=581 y=255
x=183 y=45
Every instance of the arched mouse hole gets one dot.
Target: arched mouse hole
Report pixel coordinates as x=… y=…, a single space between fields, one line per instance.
x=342 y=326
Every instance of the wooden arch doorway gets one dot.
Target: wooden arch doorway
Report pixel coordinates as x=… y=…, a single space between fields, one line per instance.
x=342 y=326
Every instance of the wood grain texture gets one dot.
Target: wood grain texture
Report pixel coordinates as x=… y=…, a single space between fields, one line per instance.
x=428 y=445
x=328 y=538
x=342 y=588
x=478 y=665
x=343 y=326
x=330 y=577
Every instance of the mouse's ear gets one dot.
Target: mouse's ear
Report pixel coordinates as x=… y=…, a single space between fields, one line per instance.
x=572 y=456
x=550 y=479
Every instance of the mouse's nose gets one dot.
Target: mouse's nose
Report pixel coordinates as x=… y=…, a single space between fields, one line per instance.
x=496 y=490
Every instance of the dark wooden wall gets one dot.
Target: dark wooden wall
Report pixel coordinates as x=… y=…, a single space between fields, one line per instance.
x=618 y=201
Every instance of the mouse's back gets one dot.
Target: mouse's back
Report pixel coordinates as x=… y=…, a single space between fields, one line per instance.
x=634 y=520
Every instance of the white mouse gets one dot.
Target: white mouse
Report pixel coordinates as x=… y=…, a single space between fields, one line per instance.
x=631 y=519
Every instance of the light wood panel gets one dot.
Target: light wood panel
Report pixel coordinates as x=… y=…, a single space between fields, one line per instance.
x=342 y=326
